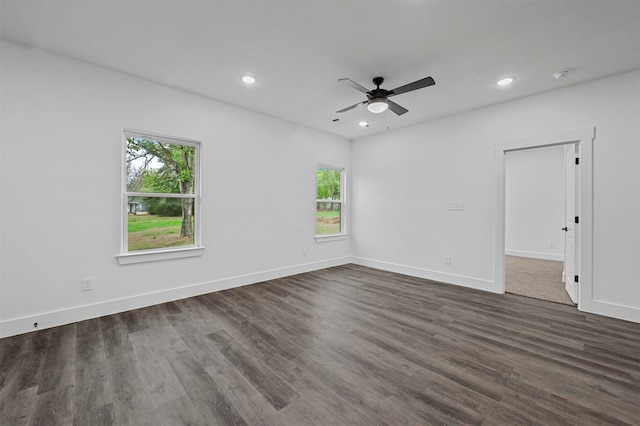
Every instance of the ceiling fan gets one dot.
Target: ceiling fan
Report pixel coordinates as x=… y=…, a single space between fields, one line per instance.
x=378 y=99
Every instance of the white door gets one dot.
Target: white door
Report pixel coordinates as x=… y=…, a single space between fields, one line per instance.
x=571 y=234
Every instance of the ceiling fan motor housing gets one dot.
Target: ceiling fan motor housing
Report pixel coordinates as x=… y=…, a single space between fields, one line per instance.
x=378 y=94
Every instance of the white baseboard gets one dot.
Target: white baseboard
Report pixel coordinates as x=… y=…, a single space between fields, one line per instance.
x=612 y=310
x=13 y=326
x=535 y=255
x=443 y=277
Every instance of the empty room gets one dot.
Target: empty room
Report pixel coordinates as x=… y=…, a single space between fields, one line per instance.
x=319 y=212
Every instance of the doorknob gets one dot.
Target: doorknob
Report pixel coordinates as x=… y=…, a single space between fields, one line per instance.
x=565 y=229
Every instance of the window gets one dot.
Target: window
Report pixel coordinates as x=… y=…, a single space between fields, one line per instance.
x=330 y=204
x=160 y=195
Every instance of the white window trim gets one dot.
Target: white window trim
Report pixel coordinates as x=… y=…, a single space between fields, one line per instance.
x=331 y=237
x=343 y=234
x=156 y=255
x=126 y=257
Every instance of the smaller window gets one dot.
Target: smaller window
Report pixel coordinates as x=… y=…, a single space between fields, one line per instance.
x=330 y=204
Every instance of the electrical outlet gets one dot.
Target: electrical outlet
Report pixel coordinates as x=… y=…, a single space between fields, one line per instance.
x=447 y=260
x=305 y=252
x=86 y=284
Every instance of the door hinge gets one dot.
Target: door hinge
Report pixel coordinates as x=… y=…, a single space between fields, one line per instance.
x=577 y=161
x=575 y=278
x=577 y=220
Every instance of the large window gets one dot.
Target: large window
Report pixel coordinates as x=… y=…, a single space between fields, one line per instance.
x=330 y=205
x=160 y=194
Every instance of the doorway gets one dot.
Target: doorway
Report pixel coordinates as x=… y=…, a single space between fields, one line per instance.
x=583 y=238
x=536 y=198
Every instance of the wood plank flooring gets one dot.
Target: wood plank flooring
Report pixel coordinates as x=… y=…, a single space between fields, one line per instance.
x=342 y=346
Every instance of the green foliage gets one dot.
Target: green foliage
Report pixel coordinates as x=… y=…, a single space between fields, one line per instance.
x=161 y=181
x=327 y=213
x=327 y=184
x=165 y=207
x=159 y=167
x=163 y=168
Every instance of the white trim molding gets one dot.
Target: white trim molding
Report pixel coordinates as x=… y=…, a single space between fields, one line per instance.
x=612 y=310
x=331 y=237
x=535 y=255
x=344 y=209
x=127 y=257
x=441 y=277
x=585 y=138
x=156 y=255
x=14 y=326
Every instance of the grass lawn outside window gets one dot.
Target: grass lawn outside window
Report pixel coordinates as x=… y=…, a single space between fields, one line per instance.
x=330 y=202
x=161 y=190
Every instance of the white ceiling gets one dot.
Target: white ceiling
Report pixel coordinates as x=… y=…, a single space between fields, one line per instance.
x=299 y=49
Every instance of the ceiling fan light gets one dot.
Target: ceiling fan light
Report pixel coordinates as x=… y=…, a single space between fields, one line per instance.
x=377 y=105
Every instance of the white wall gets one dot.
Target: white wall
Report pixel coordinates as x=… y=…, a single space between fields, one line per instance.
x=61 y=180
x=534 y=203
x=60 y=147
x=403 y=180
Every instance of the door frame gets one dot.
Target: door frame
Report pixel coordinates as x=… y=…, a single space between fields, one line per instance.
x=584 y=138
x=571 y=229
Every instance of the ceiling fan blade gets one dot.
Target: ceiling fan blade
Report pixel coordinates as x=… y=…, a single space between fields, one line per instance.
x=355 y=85
x=419 y=84
x=399 y=110
x=352 y=107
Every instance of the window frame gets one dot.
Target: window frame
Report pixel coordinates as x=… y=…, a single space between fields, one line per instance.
x=166 y=253
x=343 y=234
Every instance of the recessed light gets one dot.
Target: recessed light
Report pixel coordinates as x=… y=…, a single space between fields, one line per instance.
x=560 y=74
x=248 y=79
x=505 y=81
x=363 y=123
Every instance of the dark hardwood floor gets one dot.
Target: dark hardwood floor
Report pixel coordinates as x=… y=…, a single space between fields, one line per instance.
x=342 y=346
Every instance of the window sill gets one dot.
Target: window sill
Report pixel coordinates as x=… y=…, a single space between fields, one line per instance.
x=153 y=256
x=332 y=237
